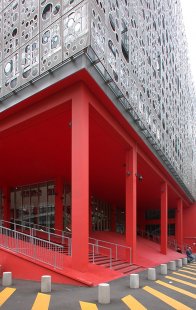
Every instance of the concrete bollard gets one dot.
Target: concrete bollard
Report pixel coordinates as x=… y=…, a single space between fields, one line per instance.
x=179 y=263
x=7 y=279
x=134 y=281
x=172 y=265
x=104 y=293
x=163 y=268
x=184 y=261
x=152 y=274
x=46 y=284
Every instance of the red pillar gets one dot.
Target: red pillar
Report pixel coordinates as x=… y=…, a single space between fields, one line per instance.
x=59 y=204
x=179 y=224
x=80 y=180
x=131 y=201
x=164 y=218
x=6 y=203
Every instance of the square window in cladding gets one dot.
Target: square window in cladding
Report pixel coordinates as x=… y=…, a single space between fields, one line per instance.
x=30 y=60
x=6 y=3
x=29 y=20
x=75 y=31
x=50 y=47
x=69 y=5
x=50 y=11
x=98 y=35
x=11 y=29
x=11 y=73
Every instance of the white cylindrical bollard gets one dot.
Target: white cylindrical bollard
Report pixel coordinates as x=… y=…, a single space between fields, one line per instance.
x=179 y=263
x=163 y=268
x=151 y=274
x=46 y=284
x=134 y=281
x=184 y=261
x=172 y=265
x=7 y=279
x=104 y=293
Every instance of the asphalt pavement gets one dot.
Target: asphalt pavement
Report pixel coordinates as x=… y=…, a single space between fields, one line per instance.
x=177 y=290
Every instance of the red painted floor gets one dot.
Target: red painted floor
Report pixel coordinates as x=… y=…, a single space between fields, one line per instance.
x=95 y=274
x=145 y=248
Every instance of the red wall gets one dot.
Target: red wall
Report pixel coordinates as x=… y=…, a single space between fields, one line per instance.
x=26 y=270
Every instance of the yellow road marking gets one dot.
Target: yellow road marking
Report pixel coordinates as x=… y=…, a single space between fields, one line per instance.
x=184 y=275
x=41 y=302
x=5 y=294
x=87 y=306
x=168 y=300
x=188 y=272
x=177 y=289
x=188 y=268
x=132 y=303
x=181 y=281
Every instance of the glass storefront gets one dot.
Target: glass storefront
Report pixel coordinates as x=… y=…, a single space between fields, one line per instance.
x=34 y=204
x=101 y=215
x=67 y=209
x=120 y=220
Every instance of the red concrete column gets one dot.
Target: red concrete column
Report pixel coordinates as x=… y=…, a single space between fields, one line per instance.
x=80 y=180
x=59 y=204
x=179 y=224
x=6 y=204
x=164 y=218
x=131 y=201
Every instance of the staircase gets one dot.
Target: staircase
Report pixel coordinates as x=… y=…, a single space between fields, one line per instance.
x=117 y=264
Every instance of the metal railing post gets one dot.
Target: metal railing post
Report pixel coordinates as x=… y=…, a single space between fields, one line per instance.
x=110 y=258
x=93 y=253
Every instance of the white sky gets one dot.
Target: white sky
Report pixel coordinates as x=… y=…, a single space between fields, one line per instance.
x=189 y=15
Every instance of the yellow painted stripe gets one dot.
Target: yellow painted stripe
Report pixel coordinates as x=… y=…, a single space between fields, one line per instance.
x=184 y=275
x=87 y=306
x=190 y=268
x=181 y=281
x=168 y=300
x=177 y=289
x=181 y=270
x=5 y=294
x=41 y=302
x=132 y=303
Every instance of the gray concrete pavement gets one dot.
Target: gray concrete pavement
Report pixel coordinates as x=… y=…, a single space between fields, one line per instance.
x=66 y=297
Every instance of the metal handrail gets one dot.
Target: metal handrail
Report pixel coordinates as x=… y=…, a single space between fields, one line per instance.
x=49 y=235
x=96 y=250
x=156 y=237
x=116 y=245
x=32 y=247
x=41 y=227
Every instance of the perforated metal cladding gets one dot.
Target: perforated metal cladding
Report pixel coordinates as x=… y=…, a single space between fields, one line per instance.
x=40 y=35
x=140 y=43
x=67 y=5
x=29 y=58
x=11 y=29
x=50 y=11
x=29 y=20
x=11 y=73
x=75 y=30
x=51 y=46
